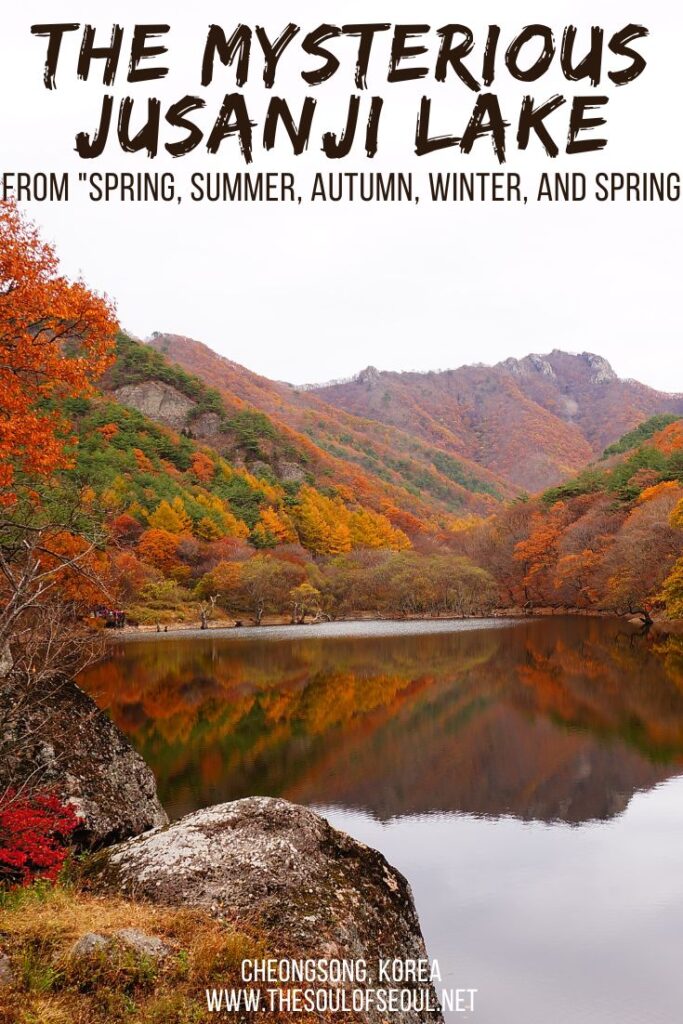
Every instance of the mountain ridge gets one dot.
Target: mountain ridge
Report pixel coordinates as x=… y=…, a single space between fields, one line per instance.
x=526 y=423
x=532 y=420
x=208 y=496
x=510 y=363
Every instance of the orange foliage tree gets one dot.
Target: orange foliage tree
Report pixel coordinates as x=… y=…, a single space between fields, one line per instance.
x=159 y=548
x=538 y=554
x=55 y=339
x=203 y=467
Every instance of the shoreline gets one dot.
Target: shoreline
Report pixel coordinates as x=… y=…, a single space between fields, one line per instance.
x=222 y=626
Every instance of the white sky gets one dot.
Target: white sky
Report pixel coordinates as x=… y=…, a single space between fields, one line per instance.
x=312 y=292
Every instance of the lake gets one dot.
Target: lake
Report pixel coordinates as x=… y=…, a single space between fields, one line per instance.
x=526 y=777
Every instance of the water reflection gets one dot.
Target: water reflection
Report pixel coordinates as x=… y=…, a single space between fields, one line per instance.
x=550 y=720
x=491 y=766
x=549 y=922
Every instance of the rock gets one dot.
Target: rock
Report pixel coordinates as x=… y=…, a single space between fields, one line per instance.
x=89 y=944
x=313 y=891
x=130 y=938
x=529 y=364
x=601 y=370
x=57 y=738
x=207 y=424
x=145 y=945
x=157 y=400
x=6 y=972
x=260 y=469
x=540 y=365
x=290 y=472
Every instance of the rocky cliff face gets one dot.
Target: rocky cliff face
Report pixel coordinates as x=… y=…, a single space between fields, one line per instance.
x=159 y=401
x=312 y=890
x=58 y=739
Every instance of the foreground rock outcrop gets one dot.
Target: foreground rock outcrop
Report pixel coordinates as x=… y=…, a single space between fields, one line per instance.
x=311 y=890
x=56 y=738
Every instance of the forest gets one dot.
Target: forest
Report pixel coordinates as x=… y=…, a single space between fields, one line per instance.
x=611 y=539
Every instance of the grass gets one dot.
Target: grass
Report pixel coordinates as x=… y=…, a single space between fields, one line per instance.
x=40 y=924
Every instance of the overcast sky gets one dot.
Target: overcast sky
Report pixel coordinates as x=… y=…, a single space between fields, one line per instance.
x=313 y=292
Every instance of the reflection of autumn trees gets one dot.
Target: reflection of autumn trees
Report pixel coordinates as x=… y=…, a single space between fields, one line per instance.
x=457 y=718
x=671 y=650
x=621 y=692
x=219 y=685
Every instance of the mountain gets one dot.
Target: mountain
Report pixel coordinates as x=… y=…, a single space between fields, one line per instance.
x=531 y=421
x=378 y=461
x=204 y=494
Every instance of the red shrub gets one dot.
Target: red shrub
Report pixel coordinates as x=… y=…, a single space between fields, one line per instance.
x=34 y=836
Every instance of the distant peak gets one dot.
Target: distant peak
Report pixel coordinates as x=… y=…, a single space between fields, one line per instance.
x=557 y=361
x=370 y=376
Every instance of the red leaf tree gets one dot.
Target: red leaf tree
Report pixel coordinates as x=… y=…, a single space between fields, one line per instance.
x=34 y=837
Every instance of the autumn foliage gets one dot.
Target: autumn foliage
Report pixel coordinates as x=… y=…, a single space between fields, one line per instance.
x=34 y=836
x=55 y=339
x=610 y=539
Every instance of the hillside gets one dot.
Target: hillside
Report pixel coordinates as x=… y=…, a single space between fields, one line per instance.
x=376 y=460
x=532 y=421
x=609 y=538
x=201 y=501
x=154 y=433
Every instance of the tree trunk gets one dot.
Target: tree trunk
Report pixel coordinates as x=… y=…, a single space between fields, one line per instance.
x=6 y=661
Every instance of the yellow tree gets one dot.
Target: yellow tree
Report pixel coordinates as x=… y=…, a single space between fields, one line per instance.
x=676 y=519
x=313 y=516
x=166 y=518
x=672 y=592
x=208 y=529
x=340 y=539
x=178 y=506
x=372 y=530
x=305 y=600
x=219 y=512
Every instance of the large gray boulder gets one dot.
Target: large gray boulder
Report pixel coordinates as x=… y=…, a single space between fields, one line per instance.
x=54 y=737
x=313 y=891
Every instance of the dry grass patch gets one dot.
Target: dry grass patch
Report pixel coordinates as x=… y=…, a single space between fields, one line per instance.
x=39 y=926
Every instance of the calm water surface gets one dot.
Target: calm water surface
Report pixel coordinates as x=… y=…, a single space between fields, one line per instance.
x=525 y=777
